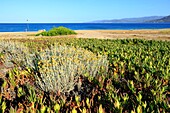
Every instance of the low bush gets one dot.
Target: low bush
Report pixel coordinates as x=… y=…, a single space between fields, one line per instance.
x=58 y=68
x=57 y=31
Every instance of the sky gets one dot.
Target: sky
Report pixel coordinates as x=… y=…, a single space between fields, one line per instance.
x=77 y=11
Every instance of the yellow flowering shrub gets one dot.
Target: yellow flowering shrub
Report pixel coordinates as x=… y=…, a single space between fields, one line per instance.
x=58 y=68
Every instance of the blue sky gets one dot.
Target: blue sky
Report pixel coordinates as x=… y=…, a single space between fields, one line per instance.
x=75 y=11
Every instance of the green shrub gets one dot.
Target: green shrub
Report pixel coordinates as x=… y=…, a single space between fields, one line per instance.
x=58 y=68
x=57 y=31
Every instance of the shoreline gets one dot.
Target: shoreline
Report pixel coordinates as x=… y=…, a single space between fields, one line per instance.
x=150 y=34
x=93 y=30
x=101 y=30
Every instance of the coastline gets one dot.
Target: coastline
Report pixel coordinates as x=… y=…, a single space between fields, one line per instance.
x=150 y=34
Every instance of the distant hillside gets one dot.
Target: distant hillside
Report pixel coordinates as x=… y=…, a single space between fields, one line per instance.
x=130 y=20
x=162 y=20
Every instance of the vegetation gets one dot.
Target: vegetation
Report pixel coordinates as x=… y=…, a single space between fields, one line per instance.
x=14 y=54
x=166 y=31
x=137 y=78
x=57 y=31
x=59 y=67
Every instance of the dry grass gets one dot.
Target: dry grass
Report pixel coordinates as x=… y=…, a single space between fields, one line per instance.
x=160 y=34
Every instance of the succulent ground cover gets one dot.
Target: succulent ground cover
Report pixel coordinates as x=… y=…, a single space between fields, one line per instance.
x=133 y=76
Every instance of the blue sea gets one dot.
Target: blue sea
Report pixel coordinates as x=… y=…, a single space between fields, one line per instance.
x=21 y=27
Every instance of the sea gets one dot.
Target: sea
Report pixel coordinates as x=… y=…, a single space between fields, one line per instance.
x=23 y=27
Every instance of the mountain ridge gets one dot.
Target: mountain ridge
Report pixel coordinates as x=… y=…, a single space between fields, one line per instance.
x=130 y=20
x=165 y=19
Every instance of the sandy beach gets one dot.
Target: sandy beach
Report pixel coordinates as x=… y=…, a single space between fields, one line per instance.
x=160 y=34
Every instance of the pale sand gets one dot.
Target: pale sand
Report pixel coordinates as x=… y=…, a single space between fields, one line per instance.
x=124 y=34
x=163 y=34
